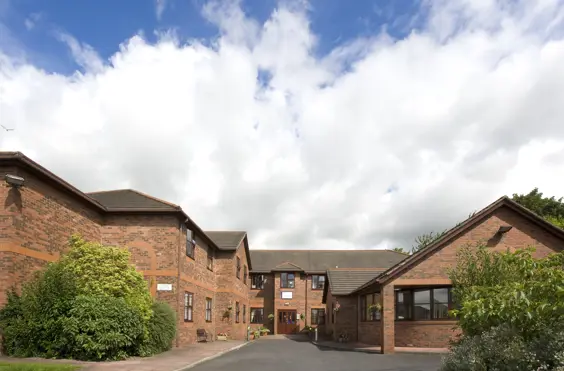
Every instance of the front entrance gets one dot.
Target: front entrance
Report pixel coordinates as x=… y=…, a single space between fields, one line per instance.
x=287 y=322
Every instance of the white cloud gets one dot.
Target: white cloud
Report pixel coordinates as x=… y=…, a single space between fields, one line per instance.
x=84 y=55
x=369 y=146
x=160 y=6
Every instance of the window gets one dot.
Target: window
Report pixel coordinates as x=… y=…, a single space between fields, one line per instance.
x=424 y=304
x=257 y=281
x=245 y=274
x=403 y=305
x=237 y=312
x=244 y=313
x=257 y=315
x=238 y=272
x=210 y=259
x=287 y=280
x=368 y=310
x=188 y=306
x=317 y=282
x=189 y=243
x=317 y=316
x=208 y=309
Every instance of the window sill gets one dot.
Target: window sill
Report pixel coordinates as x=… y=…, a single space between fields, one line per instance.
x=191 y=257
x=188 y=320
x=210 y=269
x=255 y=289
x=427 y=322
x=208 y=321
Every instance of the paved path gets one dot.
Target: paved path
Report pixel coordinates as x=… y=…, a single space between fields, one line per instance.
x=173 y=360
x=279 y=354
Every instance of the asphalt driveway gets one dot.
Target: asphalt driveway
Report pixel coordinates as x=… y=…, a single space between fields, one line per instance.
x=290 y=355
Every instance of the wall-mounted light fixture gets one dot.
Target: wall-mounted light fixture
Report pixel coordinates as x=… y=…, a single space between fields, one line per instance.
x=14 y=180
x=504 y=229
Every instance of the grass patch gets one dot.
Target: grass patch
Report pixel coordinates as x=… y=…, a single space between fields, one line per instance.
x=36 y=367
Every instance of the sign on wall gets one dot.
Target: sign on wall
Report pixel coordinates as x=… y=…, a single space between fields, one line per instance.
x=164 y=287
x=286 y=294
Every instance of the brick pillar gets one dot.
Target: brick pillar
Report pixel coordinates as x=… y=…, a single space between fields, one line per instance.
x=388 y=319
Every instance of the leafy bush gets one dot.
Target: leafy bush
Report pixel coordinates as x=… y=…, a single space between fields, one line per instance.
x=90 y=305
x=161 y=330
x=101 y=328
x=504 y=349
x=497 y=288
x=106 y=270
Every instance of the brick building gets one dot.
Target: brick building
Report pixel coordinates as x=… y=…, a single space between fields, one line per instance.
x=182 y=264
x=288 y=284
x=415 y=295
x=215 y=281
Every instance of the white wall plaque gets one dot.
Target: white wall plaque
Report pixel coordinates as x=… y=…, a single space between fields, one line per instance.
x=286 y=294
x=164 y=287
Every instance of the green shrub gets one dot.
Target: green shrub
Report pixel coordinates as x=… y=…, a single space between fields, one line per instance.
x=90 y=305
x=161 y=330
x=106 y=270
x=504 y=349
x=103 y=328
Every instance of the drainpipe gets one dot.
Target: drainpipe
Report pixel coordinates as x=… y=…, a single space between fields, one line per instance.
x=178 y=291
x=306 y=312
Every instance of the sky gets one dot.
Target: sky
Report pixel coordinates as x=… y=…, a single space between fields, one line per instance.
x=321 y=124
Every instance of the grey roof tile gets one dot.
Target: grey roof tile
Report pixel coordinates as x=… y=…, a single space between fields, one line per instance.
x=322 y=260
x=227 y=240
x=130 y=199
x=345 y=282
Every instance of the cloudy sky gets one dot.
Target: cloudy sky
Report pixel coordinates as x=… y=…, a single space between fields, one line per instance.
x=309 y=124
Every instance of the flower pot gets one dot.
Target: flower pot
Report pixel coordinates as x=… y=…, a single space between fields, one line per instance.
x=222 y=337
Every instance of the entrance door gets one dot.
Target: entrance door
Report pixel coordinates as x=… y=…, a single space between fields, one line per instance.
x=287 y=323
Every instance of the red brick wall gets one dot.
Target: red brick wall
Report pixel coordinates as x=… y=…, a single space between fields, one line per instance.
x=36 y=222
x=240 y=293
x=263 y=299
x=434 y=269
x=346 y=318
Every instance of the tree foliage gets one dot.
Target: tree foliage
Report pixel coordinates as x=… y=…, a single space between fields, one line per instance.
x=549 y=208
x=495 y=288
x=89 y=305
x=100 y=270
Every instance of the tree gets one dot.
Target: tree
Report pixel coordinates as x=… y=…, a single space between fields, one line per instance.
x=99 y=270
x=400 y=249
x=495 y=288
x=426 y=239
x=549 y=208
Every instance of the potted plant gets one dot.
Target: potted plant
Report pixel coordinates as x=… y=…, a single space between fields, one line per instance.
x=264 y=331
x=222 y=336
x=374 y=308
x=257 y=334
x=271 y=317
x=302 y=317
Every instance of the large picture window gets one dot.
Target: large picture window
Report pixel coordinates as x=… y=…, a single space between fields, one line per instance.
x=257 y=281
x=317 y=282
x=368 y=309
x=424 y=304
x=287 y=280
x=257 y=315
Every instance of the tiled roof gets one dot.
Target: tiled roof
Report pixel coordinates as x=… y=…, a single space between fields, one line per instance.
x=345 y=282
x=322 y=260
x=287 y=266
x=227 y=240
x=130 y=199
